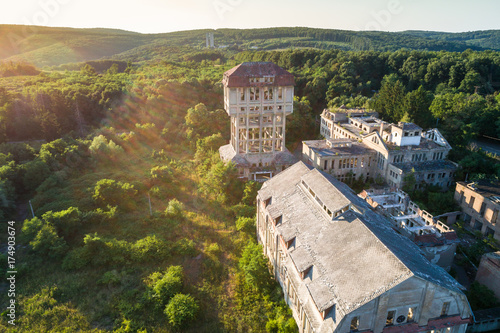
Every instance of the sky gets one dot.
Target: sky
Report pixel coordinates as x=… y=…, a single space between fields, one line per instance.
x=157 y=16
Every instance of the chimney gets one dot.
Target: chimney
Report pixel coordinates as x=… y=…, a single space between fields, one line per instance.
x=382 y=129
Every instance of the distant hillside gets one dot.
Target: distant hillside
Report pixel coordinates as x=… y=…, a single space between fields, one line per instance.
x=488 y=39
x=44 y=46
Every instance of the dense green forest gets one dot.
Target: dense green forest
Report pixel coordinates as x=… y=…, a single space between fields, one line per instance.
x=138 y=226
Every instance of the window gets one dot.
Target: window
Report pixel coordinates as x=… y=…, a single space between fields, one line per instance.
x=254 y=94
x=411 y=314
x=390 y=318
x=471 y=201
x=483 y=209
x=280 y=93
x=444 y=310
x=242 y=94
x=354 y=323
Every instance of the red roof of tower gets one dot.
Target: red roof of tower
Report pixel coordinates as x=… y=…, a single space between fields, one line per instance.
x=239 y=76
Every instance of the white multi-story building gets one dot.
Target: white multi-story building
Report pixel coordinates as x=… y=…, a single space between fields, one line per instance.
x=399 y=149
x=343 y=268
x=258 y=96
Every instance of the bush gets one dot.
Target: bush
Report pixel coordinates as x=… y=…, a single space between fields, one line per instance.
x=67 y=222
x=30 y=229
x=35 y=173
x=110 y=278
x=165 y=286
x=113 y=193
x=161 y=174
x=175 y=209
x=245 y=224
x=99 y=216
x=243 y=210
x=42 y=313
x=48 y=244
x=75 y=259
x=181 y=310
x=254 y=267
x=102 y=149
x=185 y=247
x=150 y=248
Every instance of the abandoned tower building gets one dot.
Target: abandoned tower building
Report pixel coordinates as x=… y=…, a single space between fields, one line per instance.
x=341 y=265
x=358 y=144
x=258 y=96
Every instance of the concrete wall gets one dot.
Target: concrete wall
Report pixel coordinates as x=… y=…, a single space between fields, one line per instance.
x=483 y=222
x=488 y=272
x=426 y=298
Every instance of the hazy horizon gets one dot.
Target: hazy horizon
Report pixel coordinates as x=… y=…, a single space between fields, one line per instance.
x=155 y=16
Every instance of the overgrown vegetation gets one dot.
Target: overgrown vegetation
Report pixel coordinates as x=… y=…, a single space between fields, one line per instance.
x=138 y=225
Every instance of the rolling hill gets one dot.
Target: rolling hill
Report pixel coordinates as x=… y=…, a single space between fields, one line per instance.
x=45 y=46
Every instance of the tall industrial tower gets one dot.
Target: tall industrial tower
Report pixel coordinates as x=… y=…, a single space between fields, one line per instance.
x=258 y=96
x=210 y=40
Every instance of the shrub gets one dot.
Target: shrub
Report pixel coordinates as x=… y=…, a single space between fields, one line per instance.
x=42 y=313
x=110 y=278
x=243 y=210
x=35 y=173
x=181 y=310
x=175 y=209
x=102 y=149
x=67 y=222
x=114 y=193
x=48 y=244
x=165 y=286
x=150 y=248
x=161 y=174
x=245 y=224
x=185 y=247
x=254 y=266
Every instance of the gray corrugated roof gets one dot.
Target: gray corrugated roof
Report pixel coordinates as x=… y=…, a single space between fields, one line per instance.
x=355 y=257
x=321 y=148
x=328 y=194
x=302 y=258
x=228 y=154
x=426 y=166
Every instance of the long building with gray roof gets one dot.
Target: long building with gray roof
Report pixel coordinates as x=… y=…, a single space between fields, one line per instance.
x=341 y=265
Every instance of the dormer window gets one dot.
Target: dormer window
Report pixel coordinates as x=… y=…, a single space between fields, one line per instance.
x=445 y=309
x=354 y=324
x=305 y=272
x=278 y=220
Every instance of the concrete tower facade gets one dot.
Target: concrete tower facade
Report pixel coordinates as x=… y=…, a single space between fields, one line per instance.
x=258 y=96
